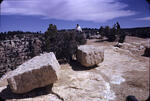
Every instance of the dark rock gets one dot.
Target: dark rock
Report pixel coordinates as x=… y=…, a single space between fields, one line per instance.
x=147 y=52
x=131 y=98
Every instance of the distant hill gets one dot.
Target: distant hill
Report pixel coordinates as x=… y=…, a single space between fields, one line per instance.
x=143 y=32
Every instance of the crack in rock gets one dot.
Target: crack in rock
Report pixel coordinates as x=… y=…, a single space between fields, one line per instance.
x=58 y=96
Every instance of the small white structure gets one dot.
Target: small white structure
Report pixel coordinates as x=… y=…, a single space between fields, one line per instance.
x=78 y=28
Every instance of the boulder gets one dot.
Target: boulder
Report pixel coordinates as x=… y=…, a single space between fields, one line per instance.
x=89 y=55
x=37 y=72
x=147 y=52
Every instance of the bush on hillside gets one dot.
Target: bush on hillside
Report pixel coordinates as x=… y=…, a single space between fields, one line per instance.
x=113 y=34
x=63 y=44
x=80 y=38
x=122 y=37
x=110 y=33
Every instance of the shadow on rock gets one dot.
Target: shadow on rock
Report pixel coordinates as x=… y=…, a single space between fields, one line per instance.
x=76 y=66
x=8 y=94
x=62 y=61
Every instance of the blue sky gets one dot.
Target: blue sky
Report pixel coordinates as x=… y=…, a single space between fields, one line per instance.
x=36 y=15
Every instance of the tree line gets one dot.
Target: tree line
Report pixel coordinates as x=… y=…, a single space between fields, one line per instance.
x=64 y=43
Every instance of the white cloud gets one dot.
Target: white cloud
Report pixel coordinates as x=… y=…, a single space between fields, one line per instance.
x=88 y=10
x=144 y=19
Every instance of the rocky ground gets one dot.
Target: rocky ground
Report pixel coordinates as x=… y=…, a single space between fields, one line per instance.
x=123 y=72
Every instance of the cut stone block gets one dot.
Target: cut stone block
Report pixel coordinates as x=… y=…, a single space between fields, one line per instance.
x=38 y=72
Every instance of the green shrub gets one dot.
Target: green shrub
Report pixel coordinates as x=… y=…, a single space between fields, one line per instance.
x=110 y=33
x=80 y=38
x=63 y=44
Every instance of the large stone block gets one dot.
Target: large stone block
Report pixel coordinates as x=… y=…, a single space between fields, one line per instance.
x=38 y=72
x=89 y=55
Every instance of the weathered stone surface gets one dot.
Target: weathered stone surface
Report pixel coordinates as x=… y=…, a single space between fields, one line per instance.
x=89 y=55
x=38 y=72
x=136 y=48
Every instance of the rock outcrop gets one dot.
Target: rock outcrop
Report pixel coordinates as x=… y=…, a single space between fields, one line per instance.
x=17 y=49
x=89 y=55
x=136 y=48
x=37 y=72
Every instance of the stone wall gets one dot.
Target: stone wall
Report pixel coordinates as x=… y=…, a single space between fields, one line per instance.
x=17 y=50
